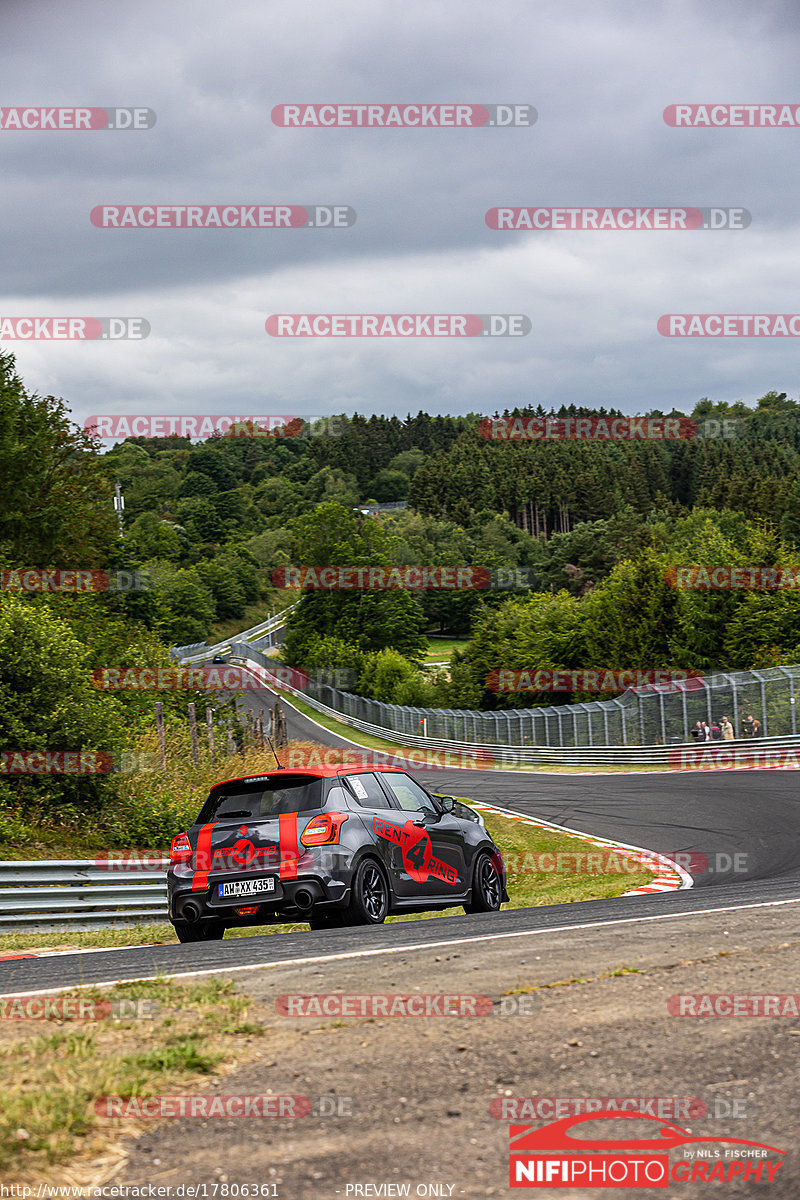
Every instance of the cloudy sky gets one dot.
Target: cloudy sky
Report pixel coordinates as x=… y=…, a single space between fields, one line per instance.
x=599 y=75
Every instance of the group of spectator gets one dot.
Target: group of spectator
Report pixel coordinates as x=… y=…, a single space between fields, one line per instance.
x=724 y=731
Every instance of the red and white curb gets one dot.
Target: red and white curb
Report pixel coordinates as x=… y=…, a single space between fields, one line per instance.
x=77 y=950
x=669 y=877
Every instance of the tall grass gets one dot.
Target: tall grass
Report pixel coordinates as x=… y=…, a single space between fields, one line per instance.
x=148 y=807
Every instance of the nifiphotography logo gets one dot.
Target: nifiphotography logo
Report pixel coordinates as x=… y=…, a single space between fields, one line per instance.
x=556 y=1157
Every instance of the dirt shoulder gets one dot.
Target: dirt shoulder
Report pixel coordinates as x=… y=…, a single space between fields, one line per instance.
x=596 y=1025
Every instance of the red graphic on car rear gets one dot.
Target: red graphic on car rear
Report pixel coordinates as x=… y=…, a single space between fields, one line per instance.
x=243 y=852
x=415 y=846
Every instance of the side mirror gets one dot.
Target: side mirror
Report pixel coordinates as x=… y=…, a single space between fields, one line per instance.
x=448 y=803
x=428 y=818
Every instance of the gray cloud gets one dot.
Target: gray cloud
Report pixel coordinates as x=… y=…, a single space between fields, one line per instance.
x=600 y=77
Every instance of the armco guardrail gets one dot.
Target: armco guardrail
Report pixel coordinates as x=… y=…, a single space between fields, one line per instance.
x=742 y=751
x=79 y=894
x=199 y=651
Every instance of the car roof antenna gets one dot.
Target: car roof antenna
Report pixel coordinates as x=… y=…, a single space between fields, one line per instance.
x=274 y=752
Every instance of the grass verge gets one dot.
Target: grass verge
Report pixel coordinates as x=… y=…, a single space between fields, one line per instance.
x=51 y=1078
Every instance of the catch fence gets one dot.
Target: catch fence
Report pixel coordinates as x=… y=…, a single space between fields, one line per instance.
x=653 y=716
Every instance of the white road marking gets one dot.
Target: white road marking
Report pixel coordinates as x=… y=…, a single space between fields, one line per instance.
x=404 y=949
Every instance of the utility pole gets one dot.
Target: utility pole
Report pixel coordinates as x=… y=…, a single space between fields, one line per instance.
x=119 y=505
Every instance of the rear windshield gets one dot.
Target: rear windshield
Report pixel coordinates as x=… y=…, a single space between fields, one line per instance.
x=255 y=801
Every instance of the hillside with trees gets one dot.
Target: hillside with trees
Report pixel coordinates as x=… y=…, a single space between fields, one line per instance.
x=581 y=536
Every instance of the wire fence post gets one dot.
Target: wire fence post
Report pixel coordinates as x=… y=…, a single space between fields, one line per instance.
x=210 y=728
x=685 y=715
x=735 y=707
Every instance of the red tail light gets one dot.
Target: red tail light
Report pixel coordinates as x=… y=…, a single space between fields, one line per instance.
x=247 y=912
x=180 y=850
x=324 y=830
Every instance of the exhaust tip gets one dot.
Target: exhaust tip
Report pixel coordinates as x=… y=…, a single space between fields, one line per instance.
x=303 y=899
x=190 y=912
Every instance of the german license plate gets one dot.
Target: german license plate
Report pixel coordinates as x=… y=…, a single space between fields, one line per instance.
x=237 y=888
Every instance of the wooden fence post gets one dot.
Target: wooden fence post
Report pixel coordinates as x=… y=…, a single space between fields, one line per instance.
x=193 y=734
x=162 y=741
x=280 y=726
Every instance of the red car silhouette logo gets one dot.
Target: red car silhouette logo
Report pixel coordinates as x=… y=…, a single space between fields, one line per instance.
x=558 y=1137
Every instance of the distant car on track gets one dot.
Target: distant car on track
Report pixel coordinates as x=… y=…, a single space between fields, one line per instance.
x=332 y=845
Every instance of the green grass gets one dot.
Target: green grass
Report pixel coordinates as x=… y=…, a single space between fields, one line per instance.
x=51 y=1079
x=254 y=614
x=441 y=649
x=527 y=888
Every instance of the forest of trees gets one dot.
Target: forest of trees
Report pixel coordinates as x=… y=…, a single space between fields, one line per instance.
x=592 y=527
x=755 y=471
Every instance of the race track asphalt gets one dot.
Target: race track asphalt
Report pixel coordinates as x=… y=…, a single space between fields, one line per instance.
x=745 y=823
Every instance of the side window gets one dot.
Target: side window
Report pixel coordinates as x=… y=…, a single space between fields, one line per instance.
x=337 y=798
x=409 y=795
x=367 y=791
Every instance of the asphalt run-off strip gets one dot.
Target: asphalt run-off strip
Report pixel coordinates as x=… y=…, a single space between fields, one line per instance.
x=406 y=948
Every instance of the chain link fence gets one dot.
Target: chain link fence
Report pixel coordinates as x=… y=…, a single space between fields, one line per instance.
x=660 y=715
